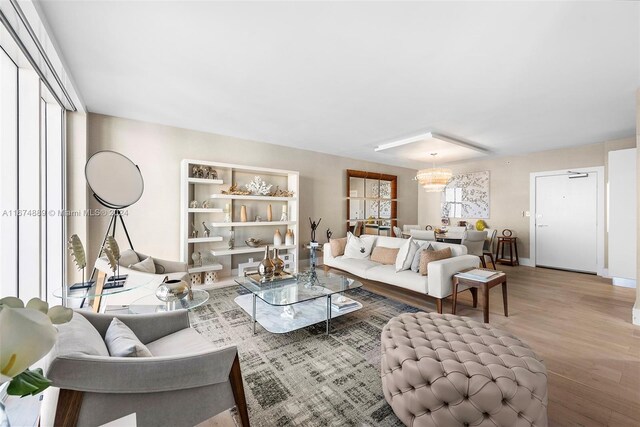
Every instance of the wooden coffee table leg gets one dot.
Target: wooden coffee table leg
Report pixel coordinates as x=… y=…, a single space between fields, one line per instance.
x=474 y=295
x=504 y=299
x=485 y=307
x=455 y=295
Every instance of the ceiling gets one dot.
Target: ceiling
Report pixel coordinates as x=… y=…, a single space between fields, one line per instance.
x=345 y=77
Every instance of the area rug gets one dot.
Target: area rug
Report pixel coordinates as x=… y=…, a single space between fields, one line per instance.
x=306 y=378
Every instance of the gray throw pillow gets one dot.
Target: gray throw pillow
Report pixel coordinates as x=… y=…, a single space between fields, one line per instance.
x=122 y=342
x=145 y=266
x=415 y=264
x=79 y=337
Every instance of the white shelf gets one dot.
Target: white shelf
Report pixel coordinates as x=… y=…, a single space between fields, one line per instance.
x=204 y=181
x=250 y=197
x=223 y=282
x=251 y=223
x=247 y=250
x=209 y=267
x=205 y=210
x=205 y=239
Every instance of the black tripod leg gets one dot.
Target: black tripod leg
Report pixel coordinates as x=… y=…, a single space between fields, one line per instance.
x=126 y=232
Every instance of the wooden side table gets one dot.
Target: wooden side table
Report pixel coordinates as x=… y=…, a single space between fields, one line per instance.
x=474 y=285
x=512 y=244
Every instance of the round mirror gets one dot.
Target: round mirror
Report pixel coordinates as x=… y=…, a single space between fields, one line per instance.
x=115 y=180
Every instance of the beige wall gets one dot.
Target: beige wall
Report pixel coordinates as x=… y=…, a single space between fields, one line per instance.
x=509 y=184
x=153 y=222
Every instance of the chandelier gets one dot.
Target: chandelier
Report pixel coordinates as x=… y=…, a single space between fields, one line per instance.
x=433 y=179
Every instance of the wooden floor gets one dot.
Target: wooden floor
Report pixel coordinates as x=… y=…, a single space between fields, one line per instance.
x=580 y=325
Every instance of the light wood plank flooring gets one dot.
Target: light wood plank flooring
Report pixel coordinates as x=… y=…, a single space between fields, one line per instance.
x=581 y=326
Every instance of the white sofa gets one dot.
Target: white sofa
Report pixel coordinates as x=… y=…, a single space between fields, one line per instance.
x=437 y=284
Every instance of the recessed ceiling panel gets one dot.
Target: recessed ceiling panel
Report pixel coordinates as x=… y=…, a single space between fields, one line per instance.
x=421 y=147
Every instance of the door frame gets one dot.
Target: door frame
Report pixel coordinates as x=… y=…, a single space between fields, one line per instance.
x=600 y=210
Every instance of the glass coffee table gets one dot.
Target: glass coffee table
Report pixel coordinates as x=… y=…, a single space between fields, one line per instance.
x=151 y=304
x=293 y=304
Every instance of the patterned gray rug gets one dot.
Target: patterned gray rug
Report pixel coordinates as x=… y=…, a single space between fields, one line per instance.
x=305 y=378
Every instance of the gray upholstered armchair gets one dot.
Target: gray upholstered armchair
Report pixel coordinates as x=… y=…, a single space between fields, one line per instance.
x=188 y=380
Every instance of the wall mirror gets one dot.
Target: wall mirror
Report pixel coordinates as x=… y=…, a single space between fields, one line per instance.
x=372 y=205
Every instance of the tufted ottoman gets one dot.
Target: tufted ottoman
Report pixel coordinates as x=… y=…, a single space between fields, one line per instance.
x=446 y=371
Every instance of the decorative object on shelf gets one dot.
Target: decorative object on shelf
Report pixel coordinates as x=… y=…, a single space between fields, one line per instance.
x=213 y=174
x=314 y=226
x=278 y=264
x=227 y=213
x=197 y=171
x=253 y=243
x=285 y=215
x=269 y=213
x=258 y=187
x=232 y=239
x=208 y=258
x=243 y=213
x=172 y=290
x=194 y=232
x=329 y=234
x=196 y=278
x=481 y=225
x=281 y=193
x=26 y=336
x=507 y=233
x=288 y=237
x=277 y=238
x=206 y=204
x=197 y=259
x=445 y=221
x=433 y=179
x=462 y=223
x=428 y=227
x=210 y=277
x=258 y=218
x=207 y=231
x=193 y=204
x=234 y=190
x=266 y=267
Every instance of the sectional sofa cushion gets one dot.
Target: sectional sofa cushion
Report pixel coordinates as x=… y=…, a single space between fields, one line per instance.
x=357 y=267
x=428 y=256
x=145 y=266
x=337 y=246
x=415 y=264
x=386 y=256
x=406 y=279
x=128 y=257
x=91 y=343
x=358 y=247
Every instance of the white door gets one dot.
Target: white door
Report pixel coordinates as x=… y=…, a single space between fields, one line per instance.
x=566 y=221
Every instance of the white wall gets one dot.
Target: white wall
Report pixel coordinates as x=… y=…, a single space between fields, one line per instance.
x=622 y=214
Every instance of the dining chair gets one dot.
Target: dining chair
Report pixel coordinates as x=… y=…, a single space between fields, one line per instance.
x=474 y=241
x=397 y=231
x=487 y=250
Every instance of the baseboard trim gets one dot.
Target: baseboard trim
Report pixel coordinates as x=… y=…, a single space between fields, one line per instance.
x=625 y=283
x=526 y=262
x=636 y=314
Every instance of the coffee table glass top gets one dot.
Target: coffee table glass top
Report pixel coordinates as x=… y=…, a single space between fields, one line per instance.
x=302 y=288
x=151 y=304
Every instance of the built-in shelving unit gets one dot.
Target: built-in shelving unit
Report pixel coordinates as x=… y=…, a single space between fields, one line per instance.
x=222 y=217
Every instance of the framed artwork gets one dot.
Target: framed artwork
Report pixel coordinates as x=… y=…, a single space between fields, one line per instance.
x=467 y=196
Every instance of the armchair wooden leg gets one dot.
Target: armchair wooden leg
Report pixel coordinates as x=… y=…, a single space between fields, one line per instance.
x=439 y=305
x=68 y=408
x=235 y=377
x=99 y=287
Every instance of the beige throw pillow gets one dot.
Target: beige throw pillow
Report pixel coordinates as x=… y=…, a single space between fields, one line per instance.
x=428 y=256
x=337 y=246
x=146 y=266
x=122 y=342
x=386 y=256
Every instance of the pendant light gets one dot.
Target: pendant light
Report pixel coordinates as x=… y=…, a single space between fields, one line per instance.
x=434 y=179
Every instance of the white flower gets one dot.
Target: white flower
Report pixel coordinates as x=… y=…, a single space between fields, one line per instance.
x=26 y=336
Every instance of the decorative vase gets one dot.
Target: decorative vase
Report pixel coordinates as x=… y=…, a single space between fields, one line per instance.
x=227 y=213
x=277 y=238
x=269 y=213
x=266 y=267
x=232 y=239
x=288 y=238
x=243 y=213
x=210 y=277
x=172 y=290
x=278 y=264
x=284 y=216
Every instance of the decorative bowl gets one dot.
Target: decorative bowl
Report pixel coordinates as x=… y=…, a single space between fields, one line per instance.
x=172 y=290
x=253 y=243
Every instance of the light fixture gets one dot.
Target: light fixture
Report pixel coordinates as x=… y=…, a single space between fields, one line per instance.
x=434 y=179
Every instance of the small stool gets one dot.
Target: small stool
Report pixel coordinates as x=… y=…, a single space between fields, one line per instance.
x=507 y=239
